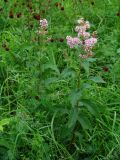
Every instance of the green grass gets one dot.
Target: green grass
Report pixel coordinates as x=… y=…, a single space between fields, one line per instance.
x=38 y=81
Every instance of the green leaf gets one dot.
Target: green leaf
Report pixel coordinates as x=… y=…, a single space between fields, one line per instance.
x=79 y=135
x=4 y=143
x=75 y=97
x=84 y=121
x=97 y=79
x=86 y=66
x=73 y=118
x=85 y=86
x=118 y=50
x=68 y=72
x=91 y=59
x=4 y=122
x=92 y=108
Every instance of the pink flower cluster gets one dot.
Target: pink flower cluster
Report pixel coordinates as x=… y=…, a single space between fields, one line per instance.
x=42 y=30
x=89 y=43
x=44 y=23
x=72 y=42
x=83 y=38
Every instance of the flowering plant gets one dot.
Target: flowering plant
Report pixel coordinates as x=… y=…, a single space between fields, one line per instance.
x=86 y=41
x=83 y=39
x=76 y=115
x=43 y=26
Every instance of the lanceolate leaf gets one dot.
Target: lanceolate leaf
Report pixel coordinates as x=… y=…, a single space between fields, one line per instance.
x=75 y=97
x=92 y=108
x=84 y=121
x=68 y=72
x=86 y=65
x=73 y=117
x=97 y=79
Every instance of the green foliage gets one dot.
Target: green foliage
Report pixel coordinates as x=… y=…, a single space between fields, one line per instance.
x=3 y=122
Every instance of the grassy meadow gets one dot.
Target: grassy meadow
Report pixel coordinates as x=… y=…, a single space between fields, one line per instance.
x=53 y=104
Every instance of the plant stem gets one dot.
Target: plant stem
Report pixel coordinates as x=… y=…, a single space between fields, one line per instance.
x=76 y=127
x=78 y=85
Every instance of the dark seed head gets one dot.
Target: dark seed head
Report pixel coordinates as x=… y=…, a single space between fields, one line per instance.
x=1 y=10
x=5 y=0
x=7 y=49
x=37 y=17
x=62 y=8
x=19 y=15
x=11 y=15
x=106 y=69
x=37 y=98
x=30 y=8
x=92 y=3
x=31 y=25
x=13 y=113
x=118 y=14
x=4 y=45
x=61 y=39
x=52 y=40
x=56 y=4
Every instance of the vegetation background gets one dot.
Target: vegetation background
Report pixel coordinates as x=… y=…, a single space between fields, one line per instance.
x=37 y=77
